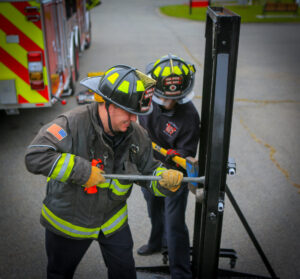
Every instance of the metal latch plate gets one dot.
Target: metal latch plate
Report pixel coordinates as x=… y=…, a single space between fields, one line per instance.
x=8 y=94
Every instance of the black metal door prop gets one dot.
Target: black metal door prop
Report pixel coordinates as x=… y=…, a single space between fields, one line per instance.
x=221 y=49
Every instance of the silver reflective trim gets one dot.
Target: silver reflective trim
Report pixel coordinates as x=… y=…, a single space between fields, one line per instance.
x=105 y=184
x=42 y=145
x=181 y=101
x=53 y=166
x=64 y=167
x=120 y=189
x=156 y=170
x=157 y=100
x=96 y=231
x=116 y=222
x=186 y=99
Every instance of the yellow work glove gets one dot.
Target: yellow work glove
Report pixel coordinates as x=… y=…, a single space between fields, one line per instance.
x=171 y=179
x=96 y=177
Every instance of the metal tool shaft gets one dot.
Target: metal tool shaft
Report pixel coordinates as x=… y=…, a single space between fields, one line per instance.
x=149 y=177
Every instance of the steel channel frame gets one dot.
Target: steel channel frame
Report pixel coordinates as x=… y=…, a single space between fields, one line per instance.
x=221 y=50
x=222 y=38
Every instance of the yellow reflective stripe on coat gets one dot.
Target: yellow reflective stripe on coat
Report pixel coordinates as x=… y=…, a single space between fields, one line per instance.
x=157 y=172
x=118 y=188
x=115 y=186
x=63 y=167
x=68 y=228
x=116 y=221
x=103 y=185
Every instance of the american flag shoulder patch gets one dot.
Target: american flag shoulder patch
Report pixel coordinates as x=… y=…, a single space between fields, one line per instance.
x=57 y=131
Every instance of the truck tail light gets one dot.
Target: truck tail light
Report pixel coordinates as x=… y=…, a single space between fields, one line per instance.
x=35 y=68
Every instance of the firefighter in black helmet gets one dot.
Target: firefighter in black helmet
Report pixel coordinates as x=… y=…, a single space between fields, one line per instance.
x=65 y=150
x=173 y=125
x=125 y=87
x=174 y=78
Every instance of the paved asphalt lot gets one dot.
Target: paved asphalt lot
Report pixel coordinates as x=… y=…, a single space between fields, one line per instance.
x=265 y=141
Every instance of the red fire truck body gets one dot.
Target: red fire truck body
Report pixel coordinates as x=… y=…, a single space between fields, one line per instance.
x=40 y=42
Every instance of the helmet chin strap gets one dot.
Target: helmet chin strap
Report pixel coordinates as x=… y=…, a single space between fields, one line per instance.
x=109 y=121
x=108 y=118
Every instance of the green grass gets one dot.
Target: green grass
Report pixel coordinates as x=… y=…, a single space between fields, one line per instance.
x=247 y=13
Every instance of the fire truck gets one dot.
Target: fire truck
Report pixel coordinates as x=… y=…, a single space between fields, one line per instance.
x=40 y=43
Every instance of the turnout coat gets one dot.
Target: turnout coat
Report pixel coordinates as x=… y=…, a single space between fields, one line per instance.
x=63 y=151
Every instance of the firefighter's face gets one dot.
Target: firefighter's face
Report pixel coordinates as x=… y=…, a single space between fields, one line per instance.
x=120 y=119
x=168 y=104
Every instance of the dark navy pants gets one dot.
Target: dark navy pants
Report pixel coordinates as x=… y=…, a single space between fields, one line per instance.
x=167 y=217
x=64 y=255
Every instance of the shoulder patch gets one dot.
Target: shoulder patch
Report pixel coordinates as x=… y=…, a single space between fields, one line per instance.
x=57 y=131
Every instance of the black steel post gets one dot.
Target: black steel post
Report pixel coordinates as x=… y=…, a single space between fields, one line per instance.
x=222 y=37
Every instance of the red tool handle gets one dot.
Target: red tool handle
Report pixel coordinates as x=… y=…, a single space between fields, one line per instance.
x=93 y=189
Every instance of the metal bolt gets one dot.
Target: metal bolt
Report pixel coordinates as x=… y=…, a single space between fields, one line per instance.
x=212 y=216
x=231 y=171
x=221 y=206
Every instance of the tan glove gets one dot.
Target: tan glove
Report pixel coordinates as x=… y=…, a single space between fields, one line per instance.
x=96 y=177
x=171 y=179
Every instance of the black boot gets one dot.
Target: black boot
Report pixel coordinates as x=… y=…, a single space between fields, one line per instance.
x=145 y=250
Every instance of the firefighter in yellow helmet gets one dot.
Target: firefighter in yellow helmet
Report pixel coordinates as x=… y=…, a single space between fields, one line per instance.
x=173 y=125
x=64 y=150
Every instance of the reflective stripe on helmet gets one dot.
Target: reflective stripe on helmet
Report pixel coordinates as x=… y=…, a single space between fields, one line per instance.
x=124 y=87
x=63 y=167
x=156 y=62
x=166 y=72
x=140 y=86
x=158 y=171
x=157 y=71
x=111 y=69
x=185 y=69
x=176 y=70
x=113 y=78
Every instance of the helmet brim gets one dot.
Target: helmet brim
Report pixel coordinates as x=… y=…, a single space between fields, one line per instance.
x=92 y=83
x=182 y=101
x=149 y=68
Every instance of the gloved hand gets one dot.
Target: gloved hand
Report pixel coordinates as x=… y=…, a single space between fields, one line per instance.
x=96 y=177
x=171 y=179
x=170 y=154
